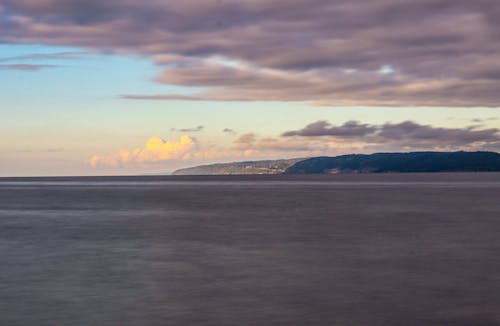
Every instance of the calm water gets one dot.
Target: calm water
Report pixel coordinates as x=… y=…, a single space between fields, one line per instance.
x=412 y=249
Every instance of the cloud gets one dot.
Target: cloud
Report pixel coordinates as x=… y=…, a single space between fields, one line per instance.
x=250 y=144
x=47 y=150
x=25 y=67
x=45 y=56
x=413 y=132
x=245 y=141
x=187 y=149
x=280 y=145
x=323 y=128
x=316 y=139
x=195 y=129
x=405 y=134
x=324 y=52
x=229 y=131
x=155 y=150
x=36 y=57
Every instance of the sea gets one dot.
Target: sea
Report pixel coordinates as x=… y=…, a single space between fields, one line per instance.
x=357 y=249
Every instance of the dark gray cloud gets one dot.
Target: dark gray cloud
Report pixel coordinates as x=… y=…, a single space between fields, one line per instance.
x=194 y=129
x=405 y=134
x=324 y=128
x=229 y=131
x=327 y=52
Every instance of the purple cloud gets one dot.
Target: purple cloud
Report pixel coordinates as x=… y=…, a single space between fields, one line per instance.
x=45 y=56
x=324 y=128
x=440 y=52
x=403 y=134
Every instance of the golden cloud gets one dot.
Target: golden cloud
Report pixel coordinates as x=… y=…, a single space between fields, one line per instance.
x=156 y=150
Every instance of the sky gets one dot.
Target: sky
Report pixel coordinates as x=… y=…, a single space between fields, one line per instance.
x=91 y=87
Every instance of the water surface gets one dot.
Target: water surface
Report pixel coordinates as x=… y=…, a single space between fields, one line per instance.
x=391 y=249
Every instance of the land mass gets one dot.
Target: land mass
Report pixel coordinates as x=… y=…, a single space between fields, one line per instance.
x=249 y=167
x=360 y=163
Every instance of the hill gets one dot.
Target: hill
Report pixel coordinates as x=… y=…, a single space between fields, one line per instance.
x=359 y=163
x=400 y=162
x=250 y=167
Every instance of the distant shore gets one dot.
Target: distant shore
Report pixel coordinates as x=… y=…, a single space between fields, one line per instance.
x=358 y=163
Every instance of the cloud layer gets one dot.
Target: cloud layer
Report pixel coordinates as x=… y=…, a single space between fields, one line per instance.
x=405 y=134
x=326 y=52
x=316 y=139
